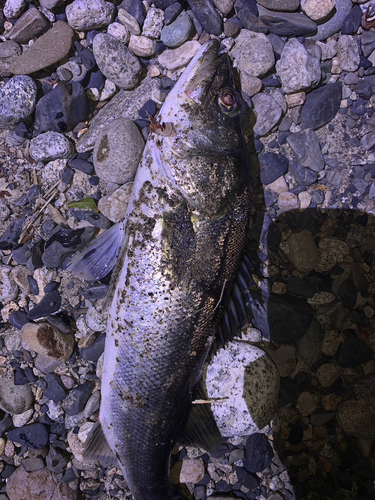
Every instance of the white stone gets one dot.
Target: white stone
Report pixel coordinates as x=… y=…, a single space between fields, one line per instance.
x=14 y=8
x=142 y=46
x=153 y=23
x=317 y=9
x=246 y=382
x=85 y=15
x=177 y=58
x=8 y=287
x=253 y=53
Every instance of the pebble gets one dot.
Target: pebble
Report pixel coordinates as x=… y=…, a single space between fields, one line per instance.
x=34 y=435
x=321 y=106
x=85 y=15
x=268 y=113
x=8 y=287
x=30 y=25
x=129 y=21
x=177 y=32
x=142 y=46
x=9 y=51
x=116 y=62
x=48 y=340
x=63 y=243
x=118 y=149
x=334 y=23
x=206 y=14
x=253 y=53
x=192 y=471
x=317 y=10
x=76 y=401
x=14 y=399
x=306 y=146
x=173 y=59
x=272 y=166
x=348 y=57
x=153 y=23
x=55 y=389
x=17 y=100
x=48 y=49
x=287 y=23
x=50 y=146
x=258 y=453
x=356 y=418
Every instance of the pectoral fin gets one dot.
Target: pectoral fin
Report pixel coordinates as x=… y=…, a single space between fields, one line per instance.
x=97 y=448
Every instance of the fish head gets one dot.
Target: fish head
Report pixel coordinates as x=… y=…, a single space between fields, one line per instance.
x=204 y=155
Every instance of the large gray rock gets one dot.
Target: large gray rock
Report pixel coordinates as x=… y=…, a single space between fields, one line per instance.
x=30 y=25
x=117 y=151
x=116 y=61
x=85 y=15
x=246 y=382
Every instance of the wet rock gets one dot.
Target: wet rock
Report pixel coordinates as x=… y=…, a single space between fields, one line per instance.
x=272 y=166
x=306 y=146
x=206 y=14
x=253 y=53
x=38 y=485
x=176 y=33
x=30 y=25
x=34 y=435
x=117 y=151
x=116 y=62
x=287 y=23
x=258 y=453
x=17 y=100
x=50 y=146
x=356 y=417
x=48 y=340
x=353 y=352
x=14 y=399
x=296 y=68
x=62 y=108
x=85 y=15
x=321 y=106
x=231 y=374
x=77 y=398
x=176 y=58
x=48 y=49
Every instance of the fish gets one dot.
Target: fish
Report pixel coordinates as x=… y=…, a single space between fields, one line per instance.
x=182 y=243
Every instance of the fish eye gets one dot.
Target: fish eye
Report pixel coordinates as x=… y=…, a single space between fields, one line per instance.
x=229 y=102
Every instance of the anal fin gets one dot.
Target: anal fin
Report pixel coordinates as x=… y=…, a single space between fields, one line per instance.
x=97 y=448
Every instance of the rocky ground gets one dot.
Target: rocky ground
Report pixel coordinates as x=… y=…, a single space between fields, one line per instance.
x=76 y=81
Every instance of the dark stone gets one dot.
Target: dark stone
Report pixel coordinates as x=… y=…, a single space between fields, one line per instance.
x=348 y=294
x=94 y=180
x=56 y=460
x=272 y=166
x=207 y=15
x=247 y=13
x=62 y=109
x=353 y=352
x=49 y=304
x=163 y=4
x=5 y=424
x=149 y=107
x=171 y=13
x=321 y=106
x=364 y=89
x=95 y=350
x=287 y=23
x=34 y=288
x=76 y=401
x=30 y=374
x=10 y=236
x=17 y=319
x=135 y=8
x=367 y=42
x=98 y=220
x=19 y=377
x=95 y=292
x=247 y=479
x=96 y=80
x=84 y=166
x=87 y=58
x=302 y=174
x=61 y=321
x=69 y=475
x=280 y=318
x=8 y=471
x=295 y=435
x=34 y=435
x=302 y=287
x=258 y=453
x=51 y=286
x=55 y=388
x=33 y=194
x=63 y=243
x=288 y=392
x=66 y=175
x=352 y=21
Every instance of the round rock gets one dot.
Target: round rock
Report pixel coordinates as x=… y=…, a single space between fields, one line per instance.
x=317 y=9
x=85 y=15
x=50 y=146
x=253 y=53
x=17 y=100
x=142 y=46
x=14 y=399
x=356 y=417
x=246 y=381
x=177 y=58
x=117 y=151
x=116 y=61
x=176 y=33
x=48 y=340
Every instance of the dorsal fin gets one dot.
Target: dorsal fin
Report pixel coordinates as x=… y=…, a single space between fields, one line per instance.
x=97 y=448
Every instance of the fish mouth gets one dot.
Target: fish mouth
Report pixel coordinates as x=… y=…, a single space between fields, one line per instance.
x=195 y=80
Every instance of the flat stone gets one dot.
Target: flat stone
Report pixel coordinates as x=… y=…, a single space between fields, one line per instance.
x=206 y=14
x=321 y=106
x=30 y=25
x=272 y=167
x=356 y=417
x=48 y=49
x=352 y=22
x=288 y=5
x=33 y=435
x=306 y=146
x=176 y=58
x=258 y=453
x=77 y=398
x=268 y=112
x=176 y=33
x=287 y=23
x=247 y=13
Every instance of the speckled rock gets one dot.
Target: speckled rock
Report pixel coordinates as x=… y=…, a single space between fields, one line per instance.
x=50 y=146
x=17 y=100
x=117 y=151
x=85 y=15
x=317 y=9
x=334 y=23
x=48 y=340
x=14 y=398
x=248 y=378
x=176 y=58
x=153 y=23
x=142 y=46
x=348 y=57
x=328 y=373
x=48 y=49
x=296 y=68
x=356 y=417
x=253 y=53
x=114 y=205
x=8 y=287
x=116 y=61
x=14 y=8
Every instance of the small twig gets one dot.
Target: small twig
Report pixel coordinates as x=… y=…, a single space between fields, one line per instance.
x=221 y=294
x=35 y=177
x=208 y=401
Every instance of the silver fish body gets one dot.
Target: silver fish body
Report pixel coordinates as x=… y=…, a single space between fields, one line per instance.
x=185 y=230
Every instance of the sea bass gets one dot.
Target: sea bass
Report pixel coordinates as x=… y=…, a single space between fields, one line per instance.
x=184 y=236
